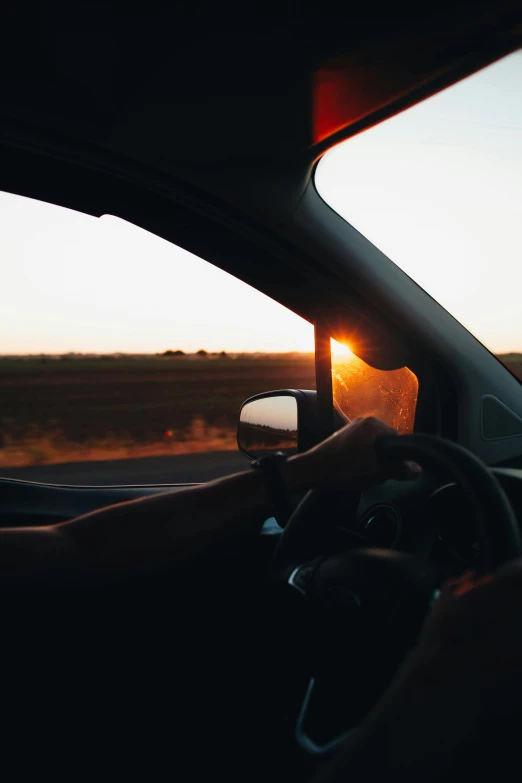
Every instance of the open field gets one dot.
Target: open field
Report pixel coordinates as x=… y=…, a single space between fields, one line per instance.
x=82 y=409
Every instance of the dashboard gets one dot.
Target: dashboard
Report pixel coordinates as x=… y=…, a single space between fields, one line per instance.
x=428 y=517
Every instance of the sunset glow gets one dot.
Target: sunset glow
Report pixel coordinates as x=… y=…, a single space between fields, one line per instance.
x=341 y=349
x=75 y=283
x=360 y=390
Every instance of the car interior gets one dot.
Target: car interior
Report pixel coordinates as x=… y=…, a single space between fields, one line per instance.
x=203 y=124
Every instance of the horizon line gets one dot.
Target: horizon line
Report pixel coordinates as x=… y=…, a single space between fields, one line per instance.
x=41 y=354
x=170 y=353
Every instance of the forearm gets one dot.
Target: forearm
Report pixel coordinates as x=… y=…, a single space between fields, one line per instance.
x=153 y=530
x=32 y=550
x=158 y=529
x=168 y=526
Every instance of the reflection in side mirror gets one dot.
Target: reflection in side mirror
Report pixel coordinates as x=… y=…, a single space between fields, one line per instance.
x=268 y=424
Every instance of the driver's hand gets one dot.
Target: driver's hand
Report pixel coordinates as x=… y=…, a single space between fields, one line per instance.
x=349 y=456
x=473 y=626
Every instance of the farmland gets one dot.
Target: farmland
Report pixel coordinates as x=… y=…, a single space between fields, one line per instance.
x=75 y=409
x=67 y=409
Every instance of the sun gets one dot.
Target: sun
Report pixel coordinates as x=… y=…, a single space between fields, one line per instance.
x=341 y=350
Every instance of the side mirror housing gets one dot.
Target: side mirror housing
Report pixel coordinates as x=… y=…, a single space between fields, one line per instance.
x=282 y=420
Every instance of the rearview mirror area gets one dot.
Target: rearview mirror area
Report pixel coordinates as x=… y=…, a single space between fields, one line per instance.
x=283 y=420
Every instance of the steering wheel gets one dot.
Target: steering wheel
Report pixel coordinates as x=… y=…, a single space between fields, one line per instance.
x=364 y=607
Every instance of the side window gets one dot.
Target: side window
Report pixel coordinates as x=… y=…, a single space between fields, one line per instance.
x=360 y=390
x=123 y=358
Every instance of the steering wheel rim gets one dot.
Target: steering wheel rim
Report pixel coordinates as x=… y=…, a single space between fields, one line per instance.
x=498 y=531
x=499 y=534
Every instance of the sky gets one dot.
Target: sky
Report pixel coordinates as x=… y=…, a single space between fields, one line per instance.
x=277 y=412
x=437 y=188
x=72 y=282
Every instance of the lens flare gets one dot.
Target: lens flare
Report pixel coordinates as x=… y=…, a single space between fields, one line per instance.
x=342 y=349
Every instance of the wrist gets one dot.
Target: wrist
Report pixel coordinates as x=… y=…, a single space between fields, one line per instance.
x=297 y=474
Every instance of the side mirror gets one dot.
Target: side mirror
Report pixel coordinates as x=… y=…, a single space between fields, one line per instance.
x=283 y=420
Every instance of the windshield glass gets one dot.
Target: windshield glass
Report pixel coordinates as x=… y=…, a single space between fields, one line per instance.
x=438 y=188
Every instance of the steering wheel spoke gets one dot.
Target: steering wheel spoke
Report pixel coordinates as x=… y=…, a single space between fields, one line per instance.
x=366 y=606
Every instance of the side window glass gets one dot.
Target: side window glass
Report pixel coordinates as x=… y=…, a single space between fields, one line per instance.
x=123 y=358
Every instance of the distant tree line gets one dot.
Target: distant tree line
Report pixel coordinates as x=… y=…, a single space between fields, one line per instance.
x=201 y=353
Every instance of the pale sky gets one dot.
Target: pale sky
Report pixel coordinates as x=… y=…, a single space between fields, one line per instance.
x=438 y=189
x=277 y=412
x=72 y=282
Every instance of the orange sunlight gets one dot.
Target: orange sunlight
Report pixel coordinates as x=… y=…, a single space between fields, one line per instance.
x=341 y=349
x=360 y=390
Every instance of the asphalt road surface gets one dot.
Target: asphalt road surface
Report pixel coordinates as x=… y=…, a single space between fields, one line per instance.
x=179 y=469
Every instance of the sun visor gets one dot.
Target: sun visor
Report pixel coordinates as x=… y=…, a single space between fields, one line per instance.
x=371 y=82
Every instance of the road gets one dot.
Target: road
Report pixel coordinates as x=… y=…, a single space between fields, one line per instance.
x=145 y=470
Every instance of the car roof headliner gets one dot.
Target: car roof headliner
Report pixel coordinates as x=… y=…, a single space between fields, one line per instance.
x=223 y=97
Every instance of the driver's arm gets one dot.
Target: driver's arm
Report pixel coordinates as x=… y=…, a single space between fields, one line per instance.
x=158 y=529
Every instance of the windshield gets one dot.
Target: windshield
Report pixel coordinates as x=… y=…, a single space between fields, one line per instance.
x=438 y=189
